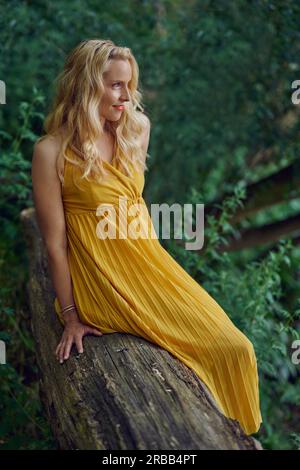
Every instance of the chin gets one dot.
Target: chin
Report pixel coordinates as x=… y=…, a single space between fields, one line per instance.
x=114 y=120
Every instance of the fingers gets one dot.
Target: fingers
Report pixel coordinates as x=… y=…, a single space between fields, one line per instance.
x=57 y=349
x=93 y=331
x=67 y=349
x=62 y=351
x=79 y=346
x=97 y=332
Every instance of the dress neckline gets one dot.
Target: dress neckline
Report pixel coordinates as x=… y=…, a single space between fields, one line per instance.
x=105 y=161
x=111 y=165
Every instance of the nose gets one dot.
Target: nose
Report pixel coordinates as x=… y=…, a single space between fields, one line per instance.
x=124 y=99
x=125 y=96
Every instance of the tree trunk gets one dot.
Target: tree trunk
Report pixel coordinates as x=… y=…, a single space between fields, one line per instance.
x=123 y=392
x=281 y=186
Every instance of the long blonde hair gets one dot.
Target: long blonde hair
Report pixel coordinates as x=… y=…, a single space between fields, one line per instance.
x=75 y=109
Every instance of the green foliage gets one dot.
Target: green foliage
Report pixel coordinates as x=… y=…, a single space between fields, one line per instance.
x=23 y=425
x=217 y=94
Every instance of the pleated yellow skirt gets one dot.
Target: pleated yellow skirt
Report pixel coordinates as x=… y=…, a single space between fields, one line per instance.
x=134 y=286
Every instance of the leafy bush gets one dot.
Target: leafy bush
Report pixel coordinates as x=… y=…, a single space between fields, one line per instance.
x=23 y=425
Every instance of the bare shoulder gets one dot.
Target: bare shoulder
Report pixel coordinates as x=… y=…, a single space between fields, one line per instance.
x=145 y=135
x=46 y=148
x=45 y=153
x=145 y=121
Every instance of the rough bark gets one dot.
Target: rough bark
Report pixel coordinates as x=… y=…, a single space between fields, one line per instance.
x=123 y=392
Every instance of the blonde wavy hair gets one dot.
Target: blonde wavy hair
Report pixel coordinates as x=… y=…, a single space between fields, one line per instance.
x=76 y=105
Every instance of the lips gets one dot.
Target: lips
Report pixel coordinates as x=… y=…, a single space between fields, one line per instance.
x=121 y=107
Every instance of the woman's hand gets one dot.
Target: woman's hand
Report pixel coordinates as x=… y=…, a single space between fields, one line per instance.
x=73 y=333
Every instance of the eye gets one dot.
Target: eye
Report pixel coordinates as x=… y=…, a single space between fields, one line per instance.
x=117 y=83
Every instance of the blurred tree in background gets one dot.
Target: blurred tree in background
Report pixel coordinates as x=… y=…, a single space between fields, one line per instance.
x=217 y=84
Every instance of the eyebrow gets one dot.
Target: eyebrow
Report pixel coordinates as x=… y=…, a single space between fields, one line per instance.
x=121 y=81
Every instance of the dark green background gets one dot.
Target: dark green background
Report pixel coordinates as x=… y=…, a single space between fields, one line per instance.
x=216 y=81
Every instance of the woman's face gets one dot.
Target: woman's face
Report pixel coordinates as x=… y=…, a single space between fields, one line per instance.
x=116 y=78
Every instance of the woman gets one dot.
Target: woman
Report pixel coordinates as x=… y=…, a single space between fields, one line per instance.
x=93 y=153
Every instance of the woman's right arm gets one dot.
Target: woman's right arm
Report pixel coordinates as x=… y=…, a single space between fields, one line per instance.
x=49 y=208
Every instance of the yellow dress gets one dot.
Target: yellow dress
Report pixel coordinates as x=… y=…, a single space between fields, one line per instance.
x=132 y=285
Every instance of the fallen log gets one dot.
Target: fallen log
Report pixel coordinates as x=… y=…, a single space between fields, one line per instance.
x=123 y=392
